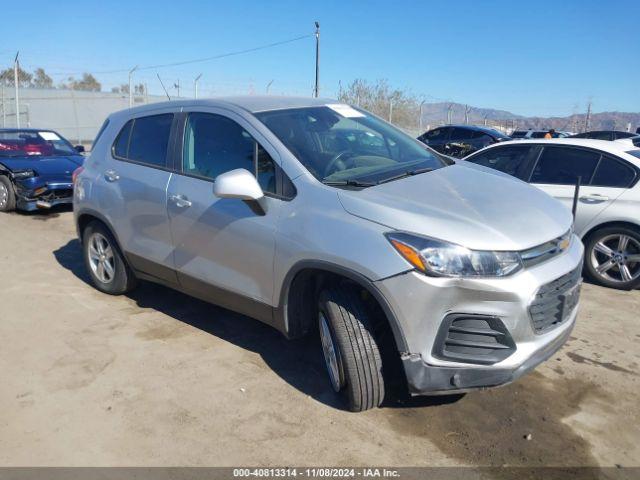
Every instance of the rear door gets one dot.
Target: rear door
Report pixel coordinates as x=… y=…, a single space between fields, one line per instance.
x=132 y=192
x=223 y=249
x=557 y=170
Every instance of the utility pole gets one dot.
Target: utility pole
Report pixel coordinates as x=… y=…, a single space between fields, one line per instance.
x=587 y=121
x=485 y=120
x=316 y=91
x=163 y=87
x=449 y=109
x=390 y=110
x=15 y=80
x=177 y=87
x=131 y=86
x=466 y=114
x=420 y=115
x=269 y=86
x=195 y=86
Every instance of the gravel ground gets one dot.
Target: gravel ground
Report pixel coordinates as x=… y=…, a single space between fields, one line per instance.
x=157 y=378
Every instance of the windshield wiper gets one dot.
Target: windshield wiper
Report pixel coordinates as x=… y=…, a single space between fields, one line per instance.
x=348 y=183
x=408 y=173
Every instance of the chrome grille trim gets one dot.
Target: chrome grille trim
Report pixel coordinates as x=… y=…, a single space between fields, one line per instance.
x=547 y=250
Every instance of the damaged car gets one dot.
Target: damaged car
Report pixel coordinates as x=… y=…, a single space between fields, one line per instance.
x=36 y=168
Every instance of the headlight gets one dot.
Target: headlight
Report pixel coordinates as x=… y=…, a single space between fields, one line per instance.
x=22 y=174
x=438 y=258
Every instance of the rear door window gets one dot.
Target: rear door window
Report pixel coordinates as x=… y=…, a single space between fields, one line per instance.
x=145 y=140
x=613 y=173
x=563 y=166
x=508 y=159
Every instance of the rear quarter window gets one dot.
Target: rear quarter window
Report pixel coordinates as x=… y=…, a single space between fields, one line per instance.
x=613 y=173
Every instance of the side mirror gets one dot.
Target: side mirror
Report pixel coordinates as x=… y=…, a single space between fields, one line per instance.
x=240 y=184
x=79 y=148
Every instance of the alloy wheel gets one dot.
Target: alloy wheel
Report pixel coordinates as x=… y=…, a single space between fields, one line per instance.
x=616 y=258
x=101 y=258
x=331 y=355
x=4 y=195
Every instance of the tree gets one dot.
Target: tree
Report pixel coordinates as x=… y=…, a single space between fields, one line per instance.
x=88 y=82
x=124 y=88
x=380 y=99
x=41 y=79
x=24 y=77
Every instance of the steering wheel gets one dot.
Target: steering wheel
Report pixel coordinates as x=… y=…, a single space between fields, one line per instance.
x=337 y=162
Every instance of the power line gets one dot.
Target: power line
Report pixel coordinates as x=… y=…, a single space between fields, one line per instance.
x=197 y=60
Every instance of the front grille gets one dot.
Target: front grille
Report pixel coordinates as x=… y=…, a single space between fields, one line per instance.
x=472 y=338
x=555 y=301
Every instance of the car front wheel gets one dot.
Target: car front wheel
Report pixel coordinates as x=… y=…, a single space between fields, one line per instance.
x=351 y=354
x=612 y=257
x=7 y=197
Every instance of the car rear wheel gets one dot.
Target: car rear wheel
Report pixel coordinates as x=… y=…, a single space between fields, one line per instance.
x=612 y=257
x=104 y=261
x=7 y=197
x=351 y=354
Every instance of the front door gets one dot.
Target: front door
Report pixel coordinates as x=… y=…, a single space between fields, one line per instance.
x=223 y=249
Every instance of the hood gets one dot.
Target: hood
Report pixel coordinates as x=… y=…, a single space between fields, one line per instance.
x=467 y=206
x=49 y=168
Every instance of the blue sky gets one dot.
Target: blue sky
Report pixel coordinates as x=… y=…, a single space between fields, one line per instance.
x=531 y=58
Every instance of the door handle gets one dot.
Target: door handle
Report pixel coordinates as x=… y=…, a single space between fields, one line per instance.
x=111 y=176
x=180 y=201
x=595 y=197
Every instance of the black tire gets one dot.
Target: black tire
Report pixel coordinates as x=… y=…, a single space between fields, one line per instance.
x=122 y=279
x=9 y=204
x=360 y=362
x=592 y=258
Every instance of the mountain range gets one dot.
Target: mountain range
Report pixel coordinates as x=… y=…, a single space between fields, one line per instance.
x=434 y=114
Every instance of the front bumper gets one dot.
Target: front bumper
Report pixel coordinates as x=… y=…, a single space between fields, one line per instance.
x=422 y=305
x=44 y=197
x=425 y=379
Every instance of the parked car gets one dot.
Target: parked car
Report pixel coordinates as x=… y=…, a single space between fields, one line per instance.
x=630 y=141
x=461 y=140
x=35 y=169
x=608 y=209
x=605 y=135
x=529 y=134
x=393 y=254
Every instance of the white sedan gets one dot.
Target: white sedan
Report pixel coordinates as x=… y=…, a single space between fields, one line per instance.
x=608 y=208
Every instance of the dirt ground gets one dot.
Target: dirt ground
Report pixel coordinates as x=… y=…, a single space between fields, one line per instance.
x=157 y=378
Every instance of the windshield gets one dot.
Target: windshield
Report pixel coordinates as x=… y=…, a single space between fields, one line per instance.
x=341 y=145
x=20 y=143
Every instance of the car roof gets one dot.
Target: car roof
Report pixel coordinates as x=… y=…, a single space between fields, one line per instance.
x=250 y=103
x=616 y=148
x=477 y=128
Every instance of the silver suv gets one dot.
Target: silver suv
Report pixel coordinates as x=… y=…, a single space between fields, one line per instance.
x=315 y=216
